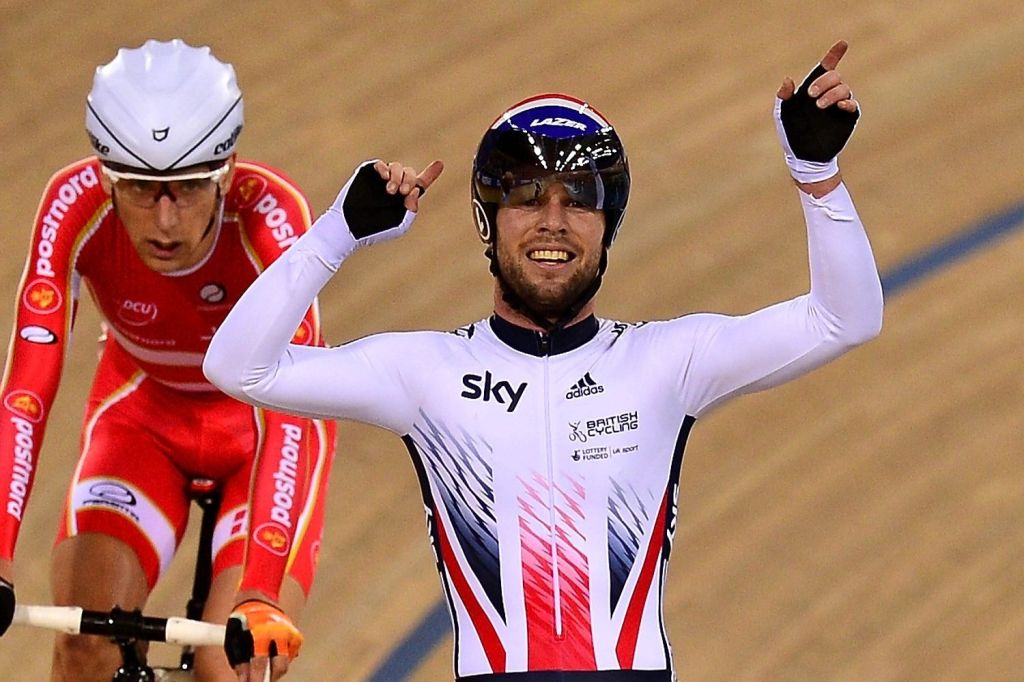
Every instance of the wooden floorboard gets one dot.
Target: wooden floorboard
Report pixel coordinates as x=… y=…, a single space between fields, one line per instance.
x=866 y=522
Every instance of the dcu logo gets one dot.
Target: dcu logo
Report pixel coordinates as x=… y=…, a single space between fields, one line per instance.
x=137 y=313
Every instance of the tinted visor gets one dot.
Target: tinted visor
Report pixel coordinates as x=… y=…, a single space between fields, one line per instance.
x=585 y=189
x=516 y=166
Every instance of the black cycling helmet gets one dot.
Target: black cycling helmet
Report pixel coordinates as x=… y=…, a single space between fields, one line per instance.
x=541 y=140
x=550 y=138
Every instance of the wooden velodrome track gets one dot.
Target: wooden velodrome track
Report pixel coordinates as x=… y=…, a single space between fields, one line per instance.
x=862 y=523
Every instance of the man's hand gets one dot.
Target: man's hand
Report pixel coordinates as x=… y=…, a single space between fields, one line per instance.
x=815 y=121
x=259 y=634
x=6 y=604
x=380 y=200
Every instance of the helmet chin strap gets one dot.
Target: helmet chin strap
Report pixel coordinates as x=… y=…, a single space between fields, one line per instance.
x=217 y=216
x=516 y=302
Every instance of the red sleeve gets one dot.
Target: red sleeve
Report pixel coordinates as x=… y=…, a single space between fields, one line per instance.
x=280 y=492
x=45 y=310
x=273 y=213
x=280 y=488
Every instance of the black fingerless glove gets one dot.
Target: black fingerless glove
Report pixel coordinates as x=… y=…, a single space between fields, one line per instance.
x=370 y=214
x=6 y=605
x=815 y=134
x=368 y=208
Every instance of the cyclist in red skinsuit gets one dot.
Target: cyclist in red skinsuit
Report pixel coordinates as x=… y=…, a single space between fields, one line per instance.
x=165 y=250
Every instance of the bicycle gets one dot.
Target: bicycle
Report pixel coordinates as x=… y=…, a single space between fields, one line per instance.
x=128 y=628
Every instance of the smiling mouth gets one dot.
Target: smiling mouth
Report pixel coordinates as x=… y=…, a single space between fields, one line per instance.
x=550 y=256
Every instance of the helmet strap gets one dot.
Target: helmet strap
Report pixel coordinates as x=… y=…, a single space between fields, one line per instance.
x=217 y=216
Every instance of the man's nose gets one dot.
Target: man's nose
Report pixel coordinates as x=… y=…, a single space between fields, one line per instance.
x=554 y=215
x=166 y=212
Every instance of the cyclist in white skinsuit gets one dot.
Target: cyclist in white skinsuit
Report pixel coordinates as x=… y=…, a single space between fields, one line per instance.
x=548 y=441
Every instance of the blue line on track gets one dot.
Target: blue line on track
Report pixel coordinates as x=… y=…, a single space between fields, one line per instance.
x=435 y=626
x=953 y=249
x=416 y=646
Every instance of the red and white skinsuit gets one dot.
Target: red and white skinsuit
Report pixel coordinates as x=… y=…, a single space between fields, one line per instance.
x=153 y=423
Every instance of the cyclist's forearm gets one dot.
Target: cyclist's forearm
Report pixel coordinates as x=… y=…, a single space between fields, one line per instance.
x=253 y=340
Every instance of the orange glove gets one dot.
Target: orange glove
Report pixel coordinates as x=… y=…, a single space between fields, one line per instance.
x=256 y=628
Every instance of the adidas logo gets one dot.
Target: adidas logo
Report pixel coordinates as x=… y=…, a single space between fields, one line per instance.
x=583 y=387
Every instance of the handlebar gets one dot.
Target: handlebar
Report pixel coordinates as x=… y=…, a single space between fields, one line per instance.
x=74 y=620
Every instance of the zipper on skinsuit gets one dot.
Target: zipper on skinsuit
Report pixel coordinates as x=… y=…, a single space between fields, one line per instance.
x=544 y=343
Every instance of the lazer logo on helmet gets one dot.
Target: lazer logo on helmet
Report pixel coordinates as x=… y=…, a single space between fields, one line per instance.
x=284 y=477
x=21 y=469
x=558 y=121
x=498 y=391
x=227 y=144
x=66 y=196
x=277 y=221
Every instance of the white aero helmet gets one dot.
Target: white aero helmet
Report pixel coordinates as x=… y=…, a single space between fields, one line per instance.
x=164 y=106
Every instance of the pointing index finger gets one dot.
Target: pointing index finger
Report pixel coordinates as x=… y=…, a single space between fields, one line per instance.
x=429 y=174
x=834 y=54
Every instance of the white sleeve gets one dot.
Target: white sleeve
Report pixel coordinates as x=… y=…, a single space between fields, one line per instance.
x=252 y=359
x=734 y=355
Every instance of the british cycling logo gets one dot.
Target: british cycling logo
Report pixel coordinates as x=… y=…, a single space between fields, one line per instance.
x=585 y=431
x=584 y=387
x=498 y=391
